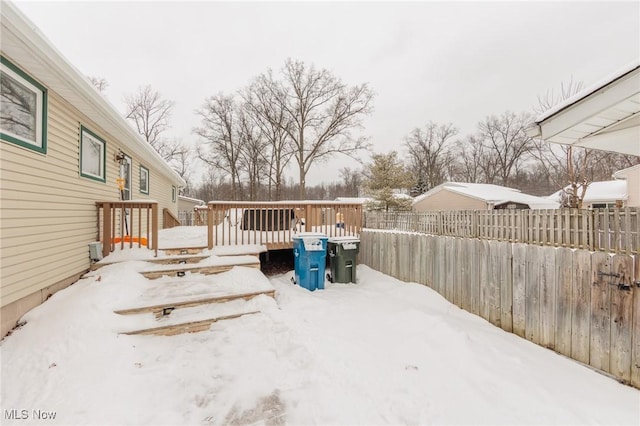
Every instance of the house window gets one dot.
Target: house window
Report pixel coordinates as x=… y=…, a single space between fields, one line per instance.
x=603 y=206
x=125 y=173
x=174 y=193
x=144 y=180
x=92 y=155
x=23 y=108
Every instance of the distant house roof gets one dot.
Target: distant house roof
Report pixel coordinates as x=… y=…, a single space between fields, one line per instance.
x=25 y=44
x=604 y=116
x=491 y=194
x=401 y=196
x=354 y=200
x=191 y=200
x=605 y=191
x=622 y=174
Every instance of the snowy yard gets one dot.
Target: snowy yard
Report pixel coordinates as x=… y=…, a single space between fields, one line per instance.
x=379 y=352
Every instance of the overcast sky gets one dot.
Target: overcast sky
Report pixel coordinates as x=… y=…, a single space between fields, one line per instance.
x=448 y=62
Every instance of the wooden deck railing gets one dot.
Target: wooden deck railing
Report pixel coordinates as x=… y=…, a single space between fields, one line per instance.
x=274 y=224
x=127 y=223
x=169 y=220
x=609 y=230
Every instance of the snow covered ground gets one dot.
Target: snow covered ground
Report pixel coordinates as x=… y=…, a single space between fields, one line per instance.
x=377 y=352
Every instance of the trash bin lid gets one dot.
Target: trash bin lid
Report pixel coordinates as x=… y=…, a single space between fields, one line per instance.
x=306 y=235
x=313 y=244
x=344 y=239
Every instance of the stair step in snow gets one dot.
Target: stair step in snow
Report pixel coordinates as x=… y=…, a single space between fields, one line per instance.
x=161 y=309
x=167 y=260
x=178 y=259
x=182 y=250
x=187 y=327
x=181 y=270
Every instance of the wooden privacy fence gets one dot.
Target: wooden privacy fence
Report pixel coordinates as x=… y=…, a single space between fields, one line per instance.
x=274 y=224
x=610 y=230
x=582 y=304
x=127 y=223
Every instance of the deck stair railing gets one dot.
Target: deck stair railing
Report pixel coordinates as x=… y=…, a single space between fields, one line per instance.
x=127 y=224
x=274 y=224
x=169 y=220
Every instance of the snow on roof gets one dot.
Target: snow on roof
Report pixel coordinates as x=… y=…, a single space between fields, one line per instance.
x=622 y=174
x=354 y=200
x=491 y=194
x=589 y=90
x=193 y=200
x=401 y=196
x=609 y=190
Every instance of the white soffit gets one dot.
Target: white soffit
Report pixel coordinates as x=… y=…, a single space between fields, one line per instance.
x=606 y=119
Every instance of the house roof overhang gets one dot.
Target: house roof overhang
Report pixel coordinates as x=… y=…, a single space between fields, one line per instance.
x=23 y=43
x=605 y=116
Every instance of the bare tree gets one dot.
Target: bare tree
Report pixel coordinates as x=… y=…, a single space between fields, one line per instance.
x=221 y=145
x=553 y=98
x=213 y=186
x=472 y=163
x=351 y=180
x=428 y=154
x=322 y=111
x=150 y=113
x=274 y=123
x=505 y=140
x=182 y=164
x=99 y=83
x=252 y=147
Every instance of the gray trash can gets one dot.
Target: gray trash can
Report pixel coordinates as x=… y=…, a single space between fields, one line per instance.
x=342 y=259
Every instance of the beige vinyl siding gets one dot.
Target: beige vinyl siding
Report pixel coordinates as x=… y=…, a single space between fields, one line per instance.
x=187 y=205
x=47 y=210
x=633 y=186
x=447 y=200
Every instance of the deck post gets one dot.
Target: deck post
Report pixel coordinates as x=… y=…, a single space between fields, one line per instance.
x=154 y=228
x=106 y=229
x=209 y=226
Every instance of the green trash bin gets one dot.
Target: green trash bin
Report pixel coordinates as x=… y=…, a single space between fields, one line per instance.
x=342 y=259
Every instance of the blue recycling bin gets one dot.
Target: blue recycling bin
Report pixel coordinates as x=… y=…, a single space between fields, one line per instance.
x=309 y=259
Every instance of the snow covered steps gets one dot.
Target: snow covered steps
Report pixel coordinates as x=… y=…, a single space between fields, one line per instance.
x=169 y=306
x=208 y=265
x=188 y=327
x=247 y=250
x=191 y=316
x=166 y=308
x=172 y=251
